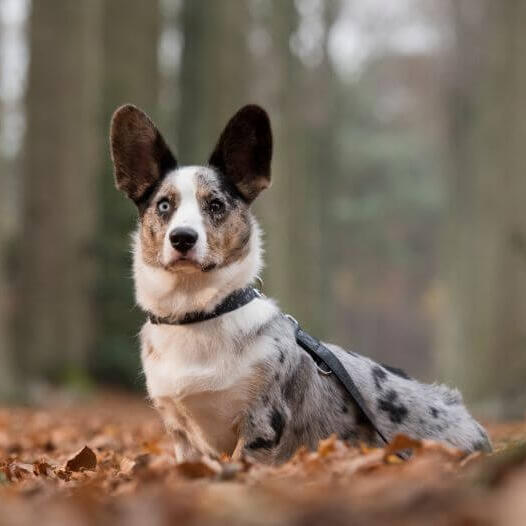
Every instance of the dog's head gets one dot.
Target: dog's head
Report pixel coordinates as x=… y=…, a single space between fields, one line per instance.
x=193 y=218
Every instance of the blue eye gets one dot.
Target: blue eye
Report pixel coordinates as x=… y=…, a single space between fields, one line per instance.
x=163 y=206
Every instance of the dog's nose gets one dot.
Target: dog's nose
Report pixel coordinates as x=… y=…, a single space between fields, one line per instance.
x=183 y=239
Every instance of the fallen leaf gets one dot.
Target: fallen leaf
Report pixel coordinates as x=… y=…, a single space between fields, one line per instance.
x=152 y=448
x=141 y=462
x=195 y=470
x=41 y=468
x=393 y=459
x=136 y=477
x=127 y=466
x=19 y=470
x=327 y=446
x=85 y=459
x=401 y=443
x=366 y=450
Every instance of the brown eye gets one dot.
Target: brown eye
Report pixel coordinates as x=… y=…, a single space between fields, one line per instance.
x=163 y=206
x=216 y=206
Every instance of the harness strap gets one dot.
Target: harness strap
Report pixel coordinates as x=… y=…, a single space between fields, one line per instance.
x=320 y=352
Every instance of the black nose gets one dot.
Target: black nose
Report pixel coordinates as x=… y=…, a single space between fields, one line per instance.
x=183 y=239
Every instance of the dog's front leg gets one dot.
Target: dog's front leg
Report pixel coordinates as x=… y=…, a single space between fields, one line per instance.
x=176 y=424
x=239 y=450
x=183 y=449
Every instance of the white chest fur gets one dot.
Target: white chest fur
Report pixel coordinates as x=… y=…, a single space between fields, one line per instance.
x=207 y=371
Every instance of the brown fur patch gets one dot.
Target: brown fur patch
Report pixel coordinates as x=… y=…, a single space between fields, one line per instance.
x=227 y=234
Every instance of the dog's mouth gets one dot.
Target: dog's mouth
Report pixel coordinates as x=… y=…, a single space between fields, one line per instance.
x=183 y=262
x=189 y=264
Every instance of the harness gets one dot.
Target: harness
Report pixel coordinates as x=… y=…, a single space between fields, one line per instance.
x=320 y=353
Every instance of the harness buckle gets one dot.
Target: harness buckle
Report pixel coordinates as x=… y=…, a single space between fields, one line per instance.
x=292 y=319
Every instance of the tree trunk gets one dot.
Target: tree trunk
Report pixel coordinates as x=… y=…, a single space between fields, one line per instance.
x=7 y=370
x=484 y=343
x=130 y=75
x=213 y=79
x=293 y=211
x=60 y=166
x=278 y=69
x=6 y=366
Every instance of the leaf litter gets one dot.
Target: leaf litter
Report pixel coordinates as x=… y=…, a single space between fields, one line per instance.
x=109 y=461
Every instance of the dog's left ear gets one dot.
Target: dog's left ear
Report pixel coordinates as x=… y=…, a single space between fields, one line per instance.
x=244 y=151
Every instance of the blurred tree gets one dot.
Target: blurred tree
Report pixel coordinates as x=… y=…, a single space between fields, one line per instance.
x=304 y=167
x=298 y=94
x=130 y=75
x=319 y=175
x=385 y=206
x=276 y=83
x=213 y=79
x=169 y=51
x=7 y=366
x=55 y=321
x=351 y=218
x=484 y=345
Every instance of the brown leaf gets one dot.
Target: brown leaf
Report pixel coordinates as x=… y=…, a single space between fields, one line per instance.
x=393 y=459
x=127 y=466
x=366 y=450
x=364 y=463
x=141 y=462
x=63 y=474
x=41 y=468
x=399 y=443
x=151 y=448
x=337 y=482
x=195 y=470
x=85 y=459
x=18 y=471
x=327 y=446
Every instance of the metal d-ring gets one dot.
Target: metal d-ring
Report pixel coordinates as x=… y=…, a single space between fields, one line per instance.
x=321 y=370
x=260 y=283
x=292 y=319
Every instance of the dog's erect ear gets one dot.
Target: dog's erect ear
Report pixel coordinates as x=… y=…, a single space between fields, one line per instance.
x=139 y=153
x=244 y=151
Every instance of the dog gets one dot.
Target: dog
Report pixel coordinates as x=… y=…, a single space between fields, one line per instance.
x=235 y=381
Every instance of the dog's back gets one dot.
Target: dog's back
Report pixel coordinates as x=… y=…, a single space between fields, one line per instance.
x=302 y=405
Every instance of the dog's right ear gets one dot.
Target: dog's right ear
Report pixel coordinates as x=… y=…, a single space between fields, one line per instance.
x=140 y=155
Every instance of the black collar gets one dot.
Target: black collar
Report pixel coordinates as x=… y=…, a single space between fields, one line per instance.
x=233 y=301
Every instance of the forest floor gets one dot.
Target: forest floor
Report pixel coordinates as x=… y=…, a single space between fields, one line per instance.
x=108 y=461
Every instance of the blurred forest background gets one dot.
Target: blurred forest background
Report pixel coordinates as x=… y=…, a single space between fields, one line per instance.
x=396 y=224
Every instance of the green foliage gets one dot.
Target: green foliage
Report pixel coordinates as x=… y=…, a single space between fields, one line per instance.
x=76 y=380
